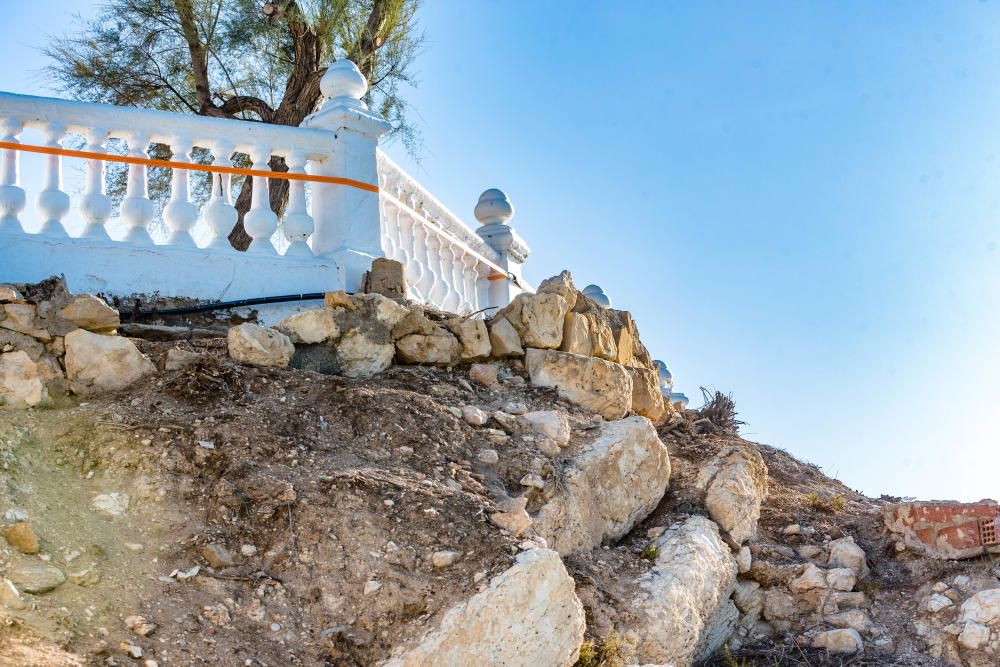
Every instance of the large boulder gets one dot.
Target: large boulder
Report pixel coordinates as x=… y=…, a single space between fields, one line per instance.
x=528 y=615
x=647 y=397
x=353 y=335
x=317 y=325
x=504 y=340
x=88 y=312
x=259 y=346
x=22 y=318
x=440 y=348
x=562 y=285
x=537 y=318
x=735 y=485
x=21 y=384
x=474 y=338
x=590 y=317
x=598 y=385
x=96 y=363
x=614 y=482
x=683 y=608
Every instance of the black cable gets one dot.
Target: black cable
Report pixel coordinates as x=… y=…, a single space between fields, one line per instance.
x=224 y=305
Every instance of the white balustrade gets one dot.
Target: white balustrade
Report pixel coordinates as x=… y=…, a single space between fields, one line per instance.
x=446 y=263
x=332 y=235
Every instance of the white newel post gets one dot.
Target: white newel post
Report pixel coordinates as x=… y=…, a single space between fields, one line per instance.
x=493 y=212
x=347 y=224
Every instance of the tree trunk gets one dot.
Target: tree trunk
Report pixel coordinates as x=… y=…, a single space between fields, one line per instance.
x=277 y=194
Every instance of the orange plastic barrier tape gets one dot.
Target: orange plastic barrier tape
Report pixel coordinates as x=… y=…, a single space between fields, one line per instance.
x=191 y=166
x=498 y=276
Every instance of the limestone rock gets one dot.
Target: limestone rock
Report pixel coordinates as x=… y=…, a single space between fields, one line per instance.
x=513 y=517
x=387 y=277
x=647 y=398
x=473 y=416
x=562 y=285
x=692 y=578
x=595 y=384
x=110 y=504
x=937 y=602
x=810 y=579
x=21 y=317
x=21 y=384
x=259 y=346
x=549 y=424
x=359 y=354
x=317 y=325
x=537 y=318
x=216 y=556
x=444 y=558
x=528 y=615
x=504 y=340
x=841 y=579
x=484 y=374
x=96 y=363
x=625 y=332
x=21 y=536
x=440 y=349
x=36 y=579
x=140 y=625
x=88 y=312
x=10 y=598
x=414 y=322
x=845 y=553
x=8 y=294
x=844 y=641
x=983 y=607
x=735 y=484
x=385 y=311
x=178 y=358
x=473 y=337
x=973 y=635
x=613 y=483
x=576 y=335
x=598 y=324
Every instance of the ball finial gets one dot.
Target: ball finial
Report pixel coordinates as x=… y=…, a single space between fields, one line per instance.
x=666 y=377
x=344 y=82
x=493 y=207
x=595 y=293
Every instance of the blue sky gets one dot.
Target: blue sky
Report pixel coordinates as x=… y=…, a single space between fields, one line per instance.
x=800 y=202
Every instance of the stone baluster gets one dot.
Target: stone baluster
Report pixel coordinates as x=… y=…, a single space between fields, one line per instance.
x=137 y=210
x=219 y=212
x=494 y=211
x=437 y=288
x=95 y=206
x=459 y=299
x=298 y=223
x=180 y=213
x=52 y=202
x=260 y=221
x=483 y=282
x=469 y=278
x=12 y=197
x=424 y=279
x=407 y=246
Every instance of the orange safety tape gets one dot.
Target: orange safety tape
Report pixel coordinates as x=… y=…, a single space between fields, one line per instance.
x=498 y=276
x=191 y=166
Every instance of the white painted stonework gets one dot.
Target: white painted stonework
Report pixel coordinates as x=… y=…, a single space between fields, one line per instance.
x=329 y=238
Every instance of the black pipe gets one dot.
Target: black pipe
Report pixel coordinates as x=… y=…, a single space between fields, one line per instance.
x=224 y=305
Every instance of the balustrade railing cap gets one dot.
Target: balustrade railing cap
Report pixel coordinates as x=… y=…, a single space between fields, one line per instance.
x=595 y=293
x=666 y=377
x=344 y=86
x=494 y=207
x=345 y=83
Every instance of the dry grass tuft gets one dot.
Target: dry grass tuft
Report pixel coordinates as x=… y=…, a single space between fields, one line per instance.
x=718 y=415
x=612 y=650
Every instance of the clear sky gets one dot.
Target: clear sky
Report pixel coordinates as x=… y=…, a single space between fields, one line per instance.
x=800 y=202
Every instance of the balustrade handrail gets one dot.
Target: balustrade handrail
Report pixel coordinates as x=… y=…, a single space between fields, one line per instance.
x=164 y=127
x=190 y=166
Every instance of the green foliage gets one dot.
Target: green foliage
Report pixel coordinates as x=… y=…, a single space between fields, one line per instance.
x=612 y=650
x=649 y=553
x=822 y=504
